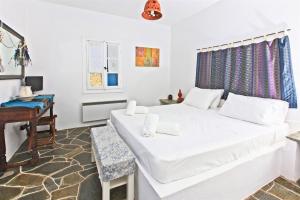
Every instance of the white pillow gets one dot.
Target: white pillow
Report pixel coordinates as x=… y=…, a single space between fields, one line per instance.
x=202 y=98
x=131 y=106
x=217 y=100
x=222 y=101
x=254 y=109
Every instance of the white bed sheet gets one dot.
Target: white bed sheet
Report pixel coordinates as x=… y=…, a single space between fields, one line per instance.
x=258 y=169
x=208 y=141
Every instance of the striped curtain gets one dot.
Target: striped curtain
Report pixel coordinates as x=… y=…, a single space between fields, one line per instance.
x=263 y=70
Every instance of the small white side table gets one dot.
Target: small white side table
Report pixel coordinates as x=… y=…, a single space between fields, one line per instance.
x=291 y=158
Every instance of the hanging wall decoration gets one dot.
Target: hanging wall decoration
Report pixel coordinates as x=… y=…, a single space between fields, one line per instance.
x=14 y=54
x=21 y=56
x=146 y=57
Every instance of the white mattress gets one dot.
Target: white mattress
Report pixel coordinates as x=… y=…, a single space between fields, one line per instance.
x=208 y=141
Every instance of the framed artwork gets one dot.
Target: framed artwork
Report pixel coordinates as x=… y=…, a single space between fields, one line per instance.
x=11 y=42
x=146 y=57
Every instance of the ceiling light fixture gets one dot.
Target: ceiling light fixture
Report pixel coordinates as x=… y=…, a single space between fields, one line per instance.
x=152 y=10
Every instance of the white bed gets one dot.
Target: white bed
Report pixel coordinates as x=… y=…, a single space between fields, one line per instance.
x=209 y=145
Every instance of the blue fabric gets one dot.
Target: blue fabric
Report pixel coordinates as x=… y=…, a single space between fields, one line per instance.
x=49 y=97
x=260 y=69
x=25 y=104
x=288 y=92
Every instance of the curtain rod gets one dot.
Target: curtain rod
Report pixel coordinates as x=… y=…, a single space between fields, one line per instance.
x=262 y=36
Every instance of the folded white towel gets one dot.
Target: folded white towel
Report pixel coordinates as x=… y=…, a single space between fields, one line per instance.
x=131 y=106
x=141 y=110
x=150 y=125
x=168 y=128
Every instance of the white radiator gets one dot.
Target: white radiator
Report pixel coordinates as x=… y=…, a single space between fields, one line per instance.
x=96 y=111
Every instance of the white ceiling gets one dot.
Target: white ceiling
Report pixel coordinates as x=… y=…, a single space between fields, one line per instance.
x=173 y=10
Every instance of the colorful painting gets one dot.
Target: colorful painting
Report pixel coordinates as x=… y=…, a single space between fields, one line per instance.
x=146 y=57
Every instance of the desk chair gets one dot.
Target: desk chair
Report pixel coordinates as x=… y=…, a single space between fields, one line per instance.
x=49 y=139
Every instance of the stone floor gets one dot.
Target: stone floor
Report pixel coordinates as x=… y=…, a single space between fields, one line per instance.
x=279 y=189
x=65 y=172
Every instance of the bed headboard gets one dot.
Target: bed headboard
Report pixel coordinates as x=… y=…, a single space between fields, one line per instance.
x=261 y=69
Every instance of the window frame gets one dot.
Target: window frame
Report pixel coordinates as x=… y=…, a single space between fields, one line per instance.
x=105 y=88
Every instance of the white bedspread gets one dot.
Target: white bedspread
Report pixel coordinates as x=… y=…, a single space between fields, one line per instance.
x=208 y=141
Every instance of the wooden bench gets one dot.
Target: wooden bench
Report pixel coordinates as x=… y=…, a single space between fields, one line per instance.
x=115 y=161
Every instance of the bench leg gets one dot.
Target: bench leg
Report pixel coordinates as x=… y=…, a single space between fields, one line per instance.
x=92 y=154
x=130 y=187
x=105 y=190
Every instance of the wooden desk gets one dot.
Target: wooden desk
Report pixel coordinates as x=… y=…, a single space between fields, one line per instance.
x=20 y=114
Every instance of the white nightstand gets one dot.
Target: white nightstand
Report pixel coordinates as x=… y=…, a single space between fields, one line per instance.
x=294 y=137
x=167 y=102
x=291 y=157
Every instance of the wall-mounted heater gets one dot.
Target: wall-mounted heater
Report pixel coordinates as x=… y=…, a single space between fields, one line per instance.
x=100 y=110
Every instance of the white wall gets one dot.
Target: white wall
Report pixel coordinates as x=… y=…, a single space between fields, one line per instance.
x=55 y=35
x=13 y=136
x=228 y=21
x=9 y=88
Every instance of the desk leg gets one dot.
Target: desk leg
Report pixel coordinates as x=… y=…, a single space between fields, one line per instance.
x=51 y=111
x=52 y=126
x=33 y=138
x=3 y=163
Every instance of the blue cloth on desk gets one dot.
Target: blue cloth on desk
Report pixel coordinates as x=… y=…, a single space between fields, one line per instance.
x=26 y=104
x=49 y=97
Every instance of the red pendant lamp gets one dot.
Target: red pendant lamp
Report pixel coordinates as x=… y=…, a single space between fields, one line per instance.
x=152 y=10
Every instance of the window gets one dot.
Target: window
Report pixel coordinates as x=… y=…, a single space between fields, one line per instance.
x=102 y=66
